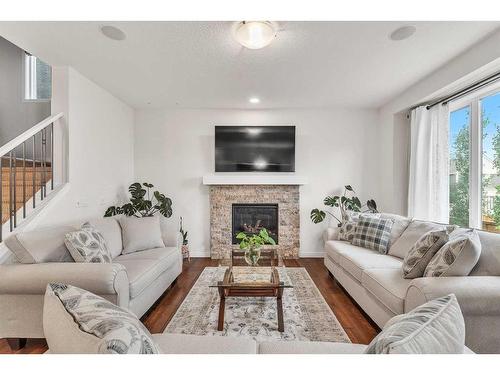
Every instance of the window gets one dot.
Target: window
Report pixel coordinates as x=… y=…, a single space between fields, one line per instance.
x=37 y=79
x=474 y=161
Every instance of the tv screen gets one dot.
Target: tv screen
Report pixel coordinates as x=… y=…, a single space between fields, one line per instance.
x=255 y=148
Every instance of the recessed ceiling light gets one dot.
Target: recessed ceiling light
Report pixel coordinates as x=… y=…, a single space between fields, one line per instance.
x=255 y=34
x=113 y=32
x=254 y=100
x=402 y=33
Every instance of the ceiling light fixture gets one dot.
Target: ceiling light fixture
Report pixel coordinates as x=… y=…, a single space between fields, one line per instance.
x=255 y=34
x=112 y=32
x=254 y=100
x=402 y=33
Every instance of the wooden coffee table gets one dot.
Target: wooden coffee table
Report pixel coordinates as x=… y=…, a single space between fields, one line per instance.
x=251 y=282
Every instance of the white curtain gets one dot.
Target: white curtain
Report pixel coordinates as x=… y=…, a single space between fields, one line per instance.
x=428 y=195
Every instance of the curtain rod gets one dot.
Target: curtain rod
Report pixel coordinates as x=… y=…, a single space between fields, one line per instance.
x=458 y=94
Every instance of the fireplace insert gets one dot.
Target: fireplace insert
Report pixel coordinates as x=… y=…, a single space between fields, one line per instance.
x=251 y=218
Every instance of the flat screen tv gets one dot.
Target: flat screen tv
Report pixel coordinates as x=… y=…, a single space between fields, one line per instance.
x=255 y=148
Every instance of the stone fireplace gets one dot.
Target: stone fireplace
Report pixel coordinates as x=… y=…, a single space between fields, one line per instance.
x=235 y=208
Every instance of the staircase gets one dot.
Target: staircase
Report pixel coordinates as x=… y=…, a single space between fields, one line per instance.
x=26 y=176
x=28 y=181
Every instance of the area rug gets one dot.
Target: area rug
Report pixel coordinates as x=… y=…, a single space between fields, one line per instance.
x=307 y=316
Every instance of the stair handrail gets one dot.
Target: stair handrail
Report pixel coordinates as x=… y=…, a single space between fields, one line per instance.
x=23 y=137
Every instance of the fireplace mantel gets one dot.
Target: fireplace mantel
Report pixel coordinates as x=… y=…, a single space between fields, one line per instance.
x=254 y=179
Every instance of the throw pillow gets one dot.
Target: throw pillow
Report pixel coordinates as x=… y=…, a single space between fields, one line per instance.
x=40 y=246
x=436 y=327
x=415 y=230
x=457 y=257
x=348 y=227
x=373 y=233
x=87 y=245
x=110 y=229
x=399 y=226
x=140 y=233
x=422 y=252
x=77 y=321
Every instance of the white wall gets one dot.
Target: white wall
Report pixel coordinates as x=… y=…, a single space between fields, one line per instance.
x=99 y=132
x=479 y=61
x=175 y=148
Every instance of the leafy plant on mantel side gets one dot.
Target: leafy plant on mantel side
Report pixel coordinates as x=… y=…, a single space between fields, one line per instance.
x=347 y=202
x=143 y=203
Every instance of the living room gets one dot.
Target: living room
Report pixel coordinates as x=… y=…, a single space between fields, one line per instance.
x=207 y=184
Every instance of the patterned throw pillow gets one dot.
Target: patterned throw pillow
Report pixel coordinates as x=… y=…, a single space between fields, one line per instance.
x=79 y=321
x=457 y=257
x=348 y=227
x=87 y=245
x=373 y=233
x=436 y=327
x=421 y=253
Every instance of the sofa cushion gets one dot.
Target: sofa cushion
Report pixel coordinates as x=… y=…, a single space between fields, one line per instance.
x=388 y=286
x=436 y=327
x=309 y=347
x=373 y=233
x=40 y=246
x=457 y=257
x=400 y=223
x=190 y=344
x=489 y=261
x=359 y=259
x=77 y=321
x=421 y=253
x=411 y=235
x=146 y=266
x=87 y=245
x=140 y=233
x=112 y=233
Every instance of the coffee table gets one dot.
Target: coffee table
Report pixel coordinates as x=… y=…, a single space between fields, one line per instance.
x=251 y=282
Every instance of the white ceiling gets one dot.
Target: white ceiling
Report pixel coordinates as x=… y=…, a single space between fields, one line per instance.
x=199 y=65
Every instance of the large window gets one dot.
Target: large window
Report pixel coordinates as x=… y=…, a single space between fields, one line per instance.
x=474 y=147
x=37 y=79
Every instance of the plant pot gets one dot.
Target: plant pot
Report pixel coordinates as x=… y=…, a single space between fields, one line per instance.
x=252 y=256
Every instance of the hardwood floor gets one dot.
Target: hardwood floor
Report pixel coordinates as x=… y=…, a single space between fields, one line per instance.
x=358 y=326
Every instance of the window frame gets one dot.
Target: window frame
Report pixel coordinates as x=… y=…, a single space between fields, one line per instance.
x=29 y=77
x=473 y=101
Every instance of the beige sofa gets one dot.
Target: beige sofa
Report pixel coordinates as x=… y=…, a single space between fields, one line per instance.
x=133 y=280
x=376 y=283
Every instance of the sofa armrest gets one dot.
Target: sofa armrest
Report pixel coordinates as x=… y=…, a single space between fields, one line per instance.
x=98 y=278
x=477 y=295
x=331 y=233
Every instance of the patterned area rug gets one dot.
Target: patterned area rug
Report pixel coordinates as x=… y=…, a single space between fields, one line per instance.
x=307 y=316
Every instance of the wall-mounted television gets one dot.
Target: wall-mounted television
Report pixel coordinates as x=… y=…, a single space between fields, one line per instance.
x=255 y=148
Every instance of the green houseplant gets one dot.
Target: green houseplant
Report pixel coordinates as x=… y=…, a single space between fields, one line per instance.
x=347 y=202
x=251 y=245
x=143 y=203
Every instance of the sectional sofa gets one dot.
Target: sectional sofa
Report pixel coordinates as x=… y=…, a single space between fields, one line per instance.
x=375 y=281
x=134 y=280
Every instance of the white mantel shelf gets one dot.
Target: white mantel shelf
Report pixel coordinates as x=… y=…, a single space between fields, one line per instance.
x=254 y=179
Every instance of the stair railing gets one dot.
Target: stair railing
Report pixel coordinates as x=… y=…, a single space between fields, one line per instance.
x=34 y=148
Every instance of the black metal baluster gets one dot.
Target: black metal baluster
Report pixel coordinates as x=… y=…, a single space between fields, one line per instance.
x=41 y=165
x=14 y=189
x=11 y=223
x=33 y=195
x=24 y=180
x=52 y=156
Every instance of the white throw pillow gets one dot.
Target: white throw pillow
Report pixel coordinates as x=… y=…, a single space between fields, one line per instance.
x=436 y=327
x=76 y=321
x=110 y=229
x=87 y=245
x=457 y=257
x=421 y=253
x=412 y=233
x=398 y=227
x=40 y=246
x=140 y=233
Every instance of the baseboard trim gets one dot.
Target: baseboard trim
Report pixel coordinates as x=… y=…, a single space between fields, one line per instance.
x=311 y=255
x=199 y=254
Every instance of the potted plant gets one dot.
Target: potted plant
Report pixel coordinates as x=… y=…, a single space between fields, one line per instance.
x=251 y=245
x=143 y=203
x=184 y=246
x=347 y=202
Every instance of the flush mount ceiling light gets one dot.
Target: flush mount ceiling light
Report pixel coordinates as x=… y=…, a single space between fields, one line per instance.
x=254 y=100
x=402 y=33
x=112 y=32
x=255 y=34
